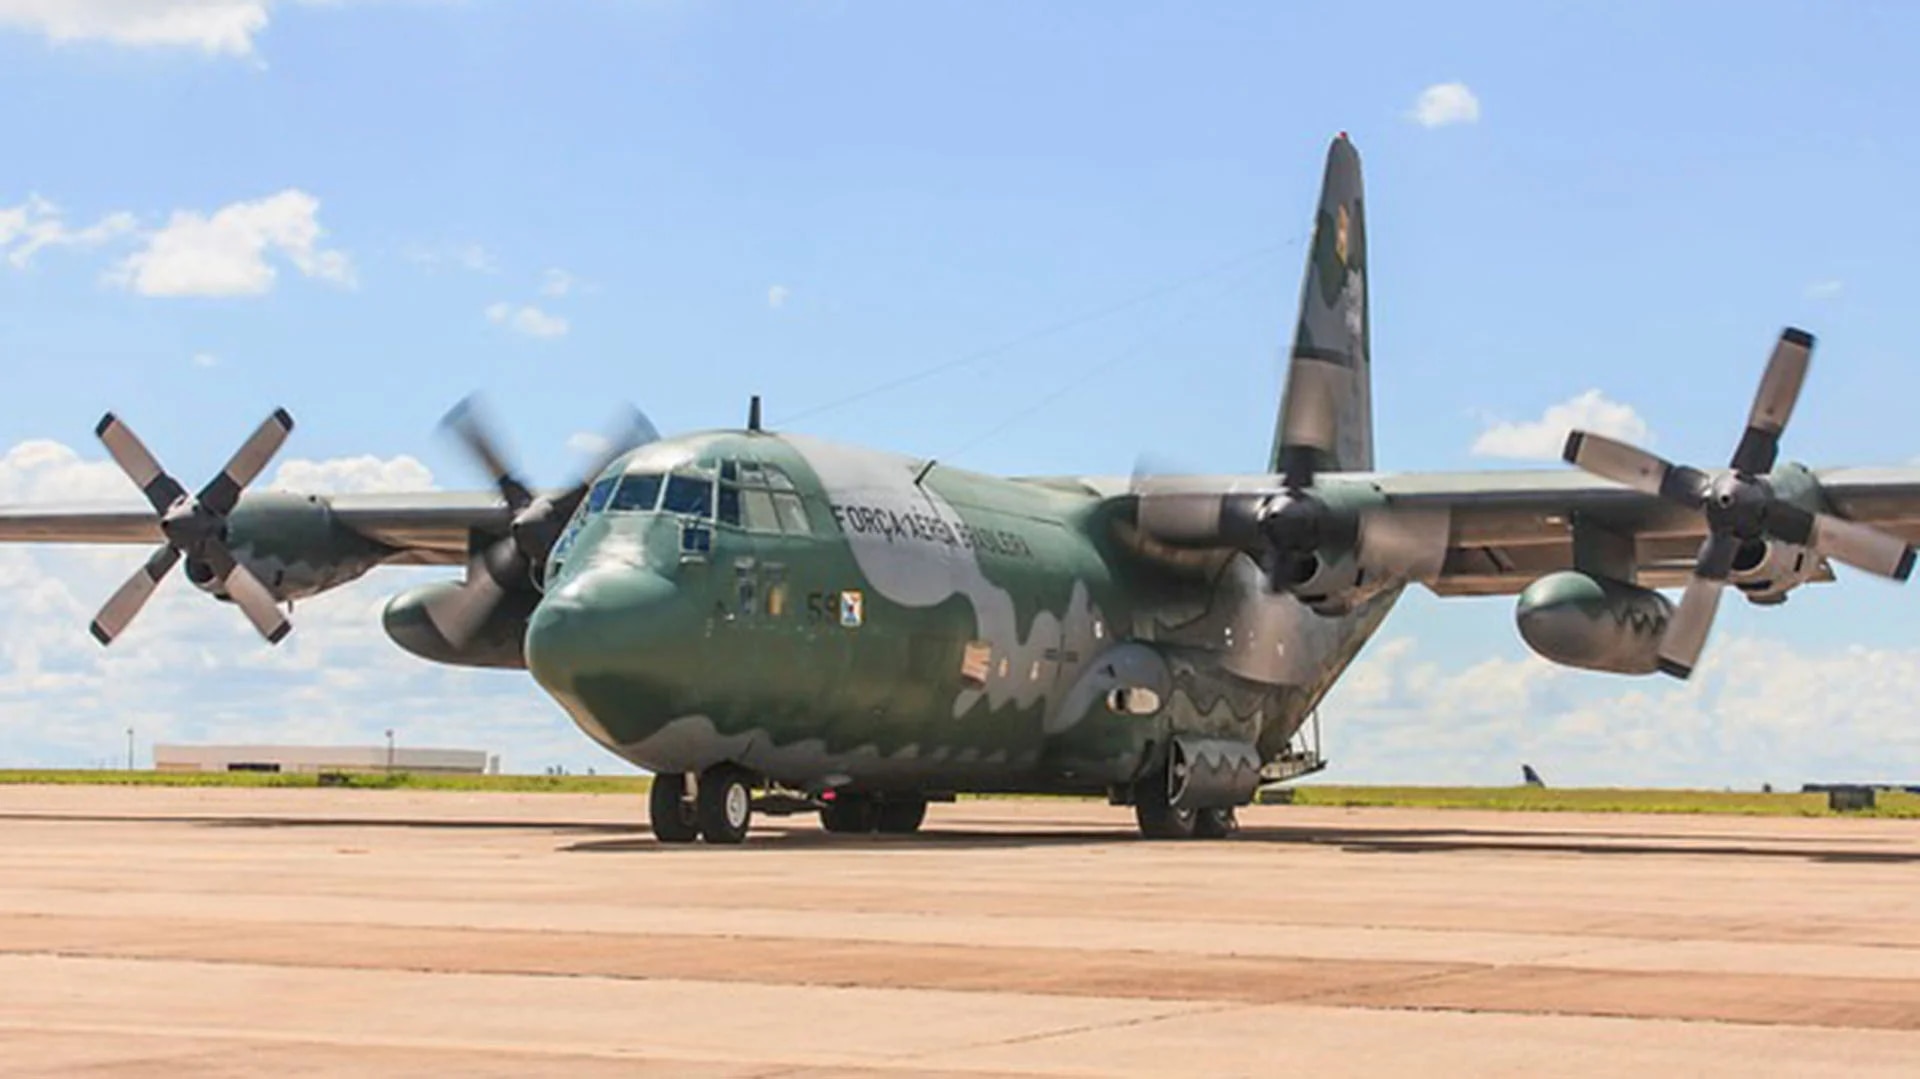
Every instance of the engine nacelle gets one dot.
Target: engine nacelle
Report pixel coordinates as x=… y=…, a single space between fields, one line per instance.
x=1766 y=570
x=1596 y=623
x=500 y=642
x=293 y=544
x=1328 y=583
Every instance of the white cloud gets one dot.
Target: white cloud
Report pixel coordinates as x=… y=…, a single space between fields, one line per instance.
x=216 y=27
x=205 y=359
x=1825 y=290
x=1445 y=103
x=1544 y=438
x=41 y=470
x=557 y=283
x=588 y=443
x=1756 y=711
x=777 y=296
x=36 y=224
x=226 y=253
x=365 y=474
x=527 y=319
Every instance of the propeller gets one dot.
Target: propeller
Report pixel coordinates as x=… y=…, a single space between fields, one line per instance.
x=1291 y=531
x=195 y=526
x=513 y=562
x=1740 y=506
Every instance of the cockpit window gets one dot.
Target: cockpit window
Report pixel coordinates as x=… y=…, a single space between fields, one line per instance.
x=761 y=497
x=601 y=491
x=690 y=495
x=638 y=493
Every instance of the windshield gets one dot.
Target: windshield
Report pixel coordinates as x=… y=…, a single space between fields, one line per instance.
x=691 y=495
x=602 y=490
x=637 y=494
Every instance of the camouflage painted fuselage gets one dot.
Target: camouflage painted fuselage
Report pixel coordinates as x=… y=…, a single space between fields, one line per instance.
x=924 y=629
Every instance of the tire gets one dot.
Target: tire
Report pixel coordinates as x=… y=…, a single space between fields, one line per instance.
x=900 y=818
x=1157 y=816
x=669 y=811
x=849 y=814
x=1215 y=823
x=724 y=807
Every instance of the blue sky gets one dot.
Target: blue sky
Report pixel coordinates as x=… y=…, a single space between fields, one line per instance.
x=573 y=203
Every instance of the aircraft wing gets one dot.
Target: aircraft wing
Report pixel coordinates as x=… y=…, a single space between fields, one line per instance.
x=1506 y=529
x=430 y=526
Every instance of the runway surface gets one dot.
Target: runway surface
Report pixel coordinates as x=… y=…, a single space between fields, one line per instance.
x=159 y=932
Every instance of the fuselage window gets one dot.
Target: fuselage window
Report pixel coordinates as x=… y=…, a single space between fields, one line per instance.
x=637 y=494
x=793 y=513
x=690 y=495
x=760 y=515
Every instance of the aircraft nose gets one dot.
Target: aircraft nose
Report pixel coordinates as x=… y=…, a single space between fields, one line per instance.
x=603 y=626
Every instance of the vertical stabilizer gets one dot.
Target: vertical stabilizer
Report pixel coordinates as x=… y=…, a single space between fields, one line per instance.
x=1326 y=413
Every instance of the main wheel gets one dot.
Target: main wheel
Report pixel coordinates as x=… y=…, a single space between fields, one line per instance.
x=724 y=807
x=1215 y=823
x=669 y=811
x=1158 y=817
x=901 y=817
x=848 y=813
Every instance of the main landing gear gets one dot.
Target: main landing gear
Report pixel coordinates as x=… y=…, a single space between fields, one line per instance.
x=856 y=813
x=720 y=810
x=1157 y=808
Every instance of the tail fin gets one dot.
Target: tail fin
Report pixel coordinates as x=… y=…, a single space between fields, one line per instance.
x=1326 y=414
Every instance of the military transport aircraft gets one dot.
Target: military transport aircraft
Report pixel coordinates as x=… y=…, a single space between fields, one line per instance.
x=769 y=621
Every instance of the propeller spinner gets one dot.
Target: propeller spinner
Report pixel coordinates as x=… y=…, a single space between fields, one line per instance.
x=1740 y=506
x=514 y=561
x=195 y=526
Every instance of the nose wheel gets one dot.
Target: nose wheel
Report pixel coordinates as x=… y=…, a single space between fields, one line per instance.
x=720 y=810
x=723 y=807
x=669 y=810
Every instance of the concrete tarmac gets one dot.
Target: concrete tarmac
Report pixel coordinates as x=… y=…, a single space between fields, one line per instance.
x=148 y=931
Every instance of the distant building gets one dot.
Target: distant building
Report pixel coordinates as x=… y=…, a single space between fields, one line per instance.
x=316 y=759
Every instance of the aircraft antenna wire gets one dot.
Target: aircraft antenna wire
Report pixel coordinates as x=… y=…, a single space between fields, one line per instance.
x=1048 y=330
x=1140 y=344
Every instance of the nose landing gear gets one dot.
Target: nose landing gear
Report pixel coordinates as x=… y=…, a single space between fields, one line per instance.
x=720 y=810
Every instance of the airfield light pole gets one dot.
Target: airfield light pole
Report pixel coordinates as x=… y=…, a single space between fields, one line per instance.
x=129 y=749
x=389 y=750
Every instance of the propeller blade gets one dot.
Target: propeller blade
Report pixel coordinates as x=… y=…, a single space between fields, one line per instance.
x=127 y=601
x=1686 y=635
x=1309 y=418
x=466 y=422
x=222 y=492
x=160 y=489
x=248 y=594
x=631 y=431
x=1862 y=547
x=637 y=430
x=1773 y=402
x=460 y=615
x=1615 y=460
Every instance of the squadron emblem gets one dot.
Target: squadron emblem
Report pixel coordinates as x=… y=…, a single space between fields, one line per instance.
x=853 y=609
